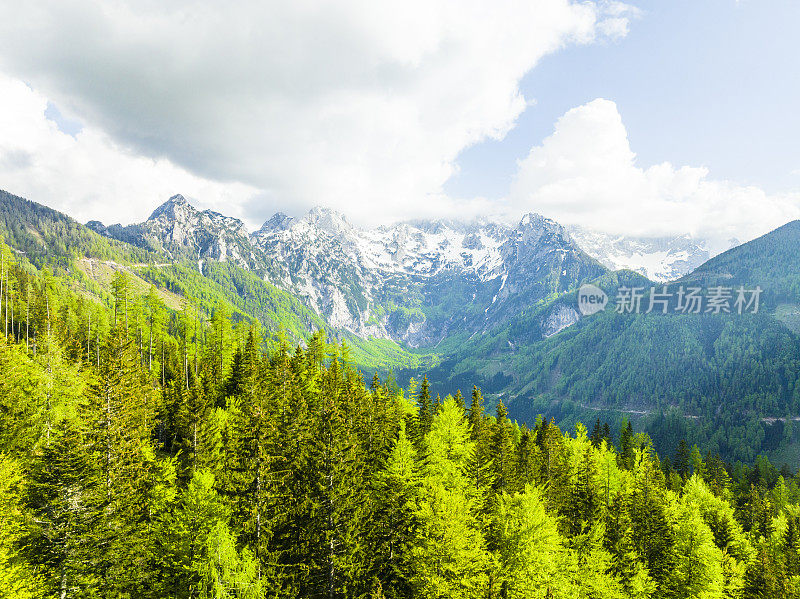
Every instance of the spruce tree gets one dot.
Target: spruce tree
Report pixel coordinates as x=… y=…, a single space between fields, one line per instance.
x=62 y=500
x=396 y=523
x=17 y=575
x=425 y=409
x=502 y=451
x=121 y=417
x=531 y=559
x=450 y=558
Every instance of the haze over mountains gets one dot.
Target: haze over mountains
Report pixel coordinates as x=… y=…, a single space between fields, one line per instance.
x=660 y=259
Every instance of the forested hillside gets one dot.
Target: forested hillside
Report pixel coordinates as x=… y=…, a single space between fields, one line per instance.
x=42 y=237
x=728 y=381
x=147 y=453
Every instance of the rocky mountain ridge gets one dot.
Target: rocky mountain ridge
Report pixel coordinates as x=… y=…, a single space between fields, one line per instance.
x=660 y=259
x=414 y=282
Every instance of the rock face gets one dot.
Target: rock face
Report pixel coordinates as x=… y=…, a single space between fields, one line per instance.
x=414 y=282
x=559 y=318
x=181 y=231
x=419 y=281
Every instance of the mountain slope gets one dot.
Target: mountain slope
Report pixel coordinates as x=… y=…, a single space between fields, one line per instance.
x=488 y=304
x=416 y=283
x=86 y=260
x=771 y=261
x=730 y=382
x=660 y=259
x=43 y=234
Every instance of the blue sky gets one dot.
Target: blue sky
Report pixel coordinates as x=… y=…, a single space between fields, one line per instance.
x=711 y=82
x=642 y=118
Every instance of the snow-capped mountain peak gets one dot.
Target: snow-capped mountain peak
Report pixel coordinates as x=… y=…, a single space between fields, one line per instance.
x=277 y=222
x=660 y=259
x=329 y=221
x=374 y=281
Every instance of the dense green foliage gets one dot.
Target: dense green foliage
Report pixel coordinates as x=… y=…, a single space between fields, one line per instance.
x=730 y=383
x=769 y=261
x=145 y=452
x=42 y=237
x=46 y=236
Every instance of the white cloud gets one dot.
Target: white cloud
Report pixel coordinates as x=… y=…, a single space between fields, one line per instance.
x=88 y=175
x=360 y=105
x=586 y=173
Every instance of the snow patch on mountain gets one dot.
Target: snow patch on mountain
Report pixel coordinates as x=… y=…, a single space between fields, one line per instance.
x=406 y=281
x=660 y=259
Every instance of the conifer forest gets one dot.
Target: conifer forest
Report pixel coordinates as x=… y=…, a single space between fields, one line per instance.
x=361 y=299
x=155 y=452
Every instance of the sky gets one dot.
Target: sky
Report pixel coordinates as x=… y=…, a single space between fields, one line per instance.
x=645 y=118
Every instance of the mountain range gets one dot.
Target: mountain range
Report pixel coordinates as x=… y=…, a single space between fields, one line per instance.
x=660 y=259
x=482 y=303
x=413 y=283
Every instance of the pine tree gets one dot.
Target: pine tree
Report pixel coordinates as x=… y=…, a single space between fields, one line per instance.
x=155 y=324
x=397 y=494
x=252 y=453
x=531 y=558
x=450 y=559
x=227 y=572
x=626 y=564
x=551 y=468
x=698 y=570
x=425 y=409
x=626 y=445
x=17 y=578
x=121 y=417
x=480 y=466
x=653 y=537
x=61 y=499
x=583 y=504
x=121 y=285
x=502 y=451
x=186 y=532
x=681 y=460
x=459 y=399
x=219 y=348
x=197 y=427
x=597 y=433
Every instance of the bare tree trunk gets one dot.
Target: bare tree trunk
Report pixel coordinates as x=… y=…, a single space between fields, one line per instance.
x=63 y=594
x=108 y=444
x=150 y=352
x=186 y=364
x=194 y=447
x=195 y=342
x=7 y=305
x=11 y=293
x=2 y=279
